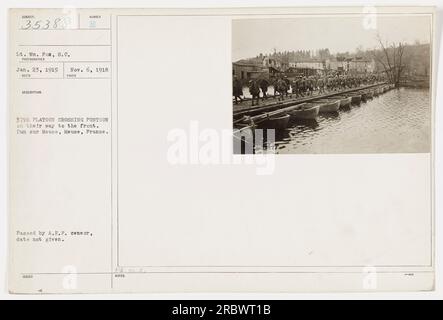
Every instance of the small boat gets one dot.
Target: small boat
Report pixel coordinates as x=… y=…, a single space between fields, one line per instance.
x=364 y=95
x=275 y=122
x=370 y=94
x=308 y=111
x=345 y=101
x=356 y=98
x=375 y=92
x=329 y=105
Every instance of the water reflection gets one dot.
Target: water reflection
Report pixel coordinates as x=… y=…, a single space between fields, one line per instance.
x=333 y=115
x=308 y=123
x=347 y=108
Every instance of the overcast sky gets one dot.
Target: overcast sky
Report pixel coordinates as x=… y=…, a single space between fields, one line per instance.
x=253 y=36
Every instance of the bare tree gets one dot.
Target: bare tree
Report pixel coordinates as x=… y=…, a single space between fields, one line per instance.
x=390 y=57
x=399 y=67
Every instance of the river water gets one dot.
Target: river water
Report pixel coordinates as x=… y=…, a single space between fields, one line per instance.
x=396 y=121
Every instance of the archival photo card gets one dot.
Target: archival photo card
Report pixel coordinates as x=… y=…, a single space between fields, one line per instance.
x=221 y=150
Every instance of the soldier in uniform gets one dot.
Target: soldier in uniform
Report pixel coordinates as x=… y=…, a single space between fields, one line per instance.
x=348 y=81
x=294 y=87
x=337 y=83
x=311 y=85
x=328 y=83
x=254 y=90
x=321 y=85
x=237 y=90
x=342 y=82
x=281 y=88
x=264 y=84
x=303 y=86
x=315 y=83
x=287 y=84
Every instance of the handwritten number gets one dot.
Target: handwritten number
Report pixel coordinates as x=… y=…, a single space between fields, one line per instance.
x=56 y=22
x=43 y=24
x=27 y=25
x=37 y=25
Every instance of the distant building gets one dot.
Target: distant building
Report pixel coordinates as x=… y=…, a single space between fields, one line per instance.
x=338 y=64
x=351 y=65
x=307 y=66
x=360 y=65
x=271 y=62
x=260 y=66
x=274 y=65
x=248 y=70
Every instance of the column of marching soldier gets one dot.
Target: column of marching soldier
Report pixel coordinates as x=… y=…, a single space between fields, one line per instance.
x=301 y=86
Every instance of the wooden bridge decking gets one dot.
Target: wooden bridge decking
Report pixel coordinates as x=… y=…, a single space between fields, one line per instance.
x=241 y=110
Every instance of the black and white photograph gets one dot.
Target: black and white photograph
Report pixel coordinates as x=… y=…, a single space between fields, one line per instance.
x=333 y=83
